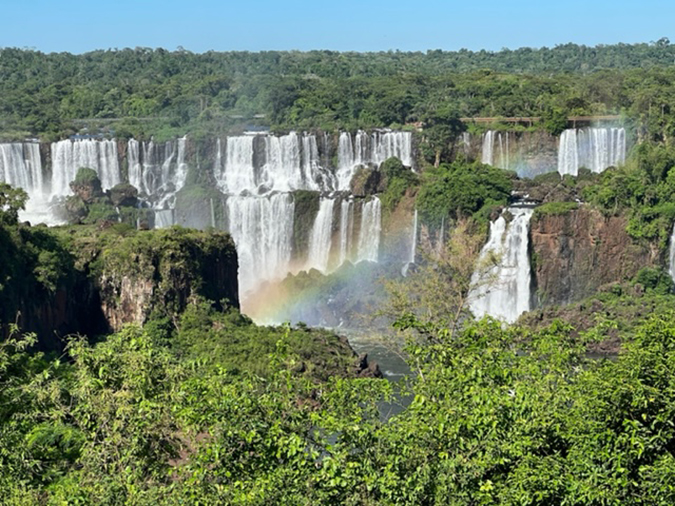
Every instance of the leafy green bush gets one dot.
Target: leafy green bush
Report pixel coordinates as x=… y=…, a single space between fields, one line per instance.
x=461 y=189
x=656 y=280
x=399 y=179
x=554 y=209
x=85 y=175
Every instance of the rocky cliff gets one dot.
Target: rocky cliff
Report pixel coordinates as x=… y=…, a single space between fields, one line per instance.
x=575 y=252
x=89 y=281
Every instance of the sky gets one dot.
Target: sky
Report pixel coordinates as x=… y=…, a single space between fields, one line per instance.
x=346 y=25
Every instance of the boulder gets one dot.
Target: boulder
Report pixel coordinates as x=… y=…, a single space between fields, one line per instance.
x=87 y=185
x=124 y=195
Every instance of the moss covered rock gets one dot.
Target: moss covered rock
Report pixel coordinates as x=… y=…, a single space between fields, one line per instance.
x=366 y=181
x=87 y=185
x=123 y=195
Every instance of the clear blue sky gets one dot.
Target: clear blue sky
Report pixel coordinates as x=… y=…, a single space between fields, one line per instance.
x=202 y=25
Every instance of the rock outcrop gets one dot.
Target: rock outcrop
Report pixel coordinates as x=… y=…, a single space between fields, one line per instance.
x=576 y=252
x=104 y=280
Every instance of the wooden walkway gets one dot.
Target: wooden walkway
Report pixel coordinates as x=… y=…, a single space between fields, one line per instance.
x=530 y=120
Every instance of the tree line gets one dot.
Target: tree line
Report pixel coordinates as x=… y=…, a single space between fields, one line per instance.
x=146 y=91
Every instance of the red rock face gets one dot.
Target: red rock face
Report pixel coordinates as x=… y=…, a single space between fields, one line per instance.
x=575 y=253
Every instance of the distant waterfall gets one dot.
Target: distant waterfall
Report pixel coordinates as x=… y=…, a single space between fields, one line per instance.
x=20 y=166
x=69 y=155
x=503 y=291
x=369 y=235
x=262 y=228
x=164 y=218
x=413 y=246
x=238 y=173
x=671 y=264
x=495 y=150
x=320 y=236
x=370 y=149
x=592 y=148
x=158 y=170
x=291 y=162
x=346 y=161
x=346 y=230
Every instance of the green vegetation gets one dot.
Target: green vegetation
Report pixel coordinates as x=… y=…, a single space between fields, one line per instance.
x=509 y=416
x=85 y=175
x=460 y=190
x=644 y=187
x=554 y=209
x=12 y=200
x=142 y=92
x=398 y=180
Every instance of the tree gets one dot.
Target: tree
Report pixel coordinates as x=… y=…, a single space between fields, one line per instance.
x=442 y=126
x=12 y=200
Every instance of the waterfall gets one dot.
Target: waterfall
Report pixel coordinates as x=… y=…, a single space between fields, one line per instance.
x=346 y=163
x=134 y=163
x=487 y=156
x=283 y=167
x=158 y=170
x=164 y=218
x=388 y=144
x=593 y=148
x=500 y=157
x=466 y=143
x=568 y=154
x=369 y=234
x=21 y=167
x=320 y=236
x=671 y=264
x=238 y=174
x=69 y=155
x=262 y=229
x=370 y=150
x=291 y=162
x=346 y=230
x=413 y=246
x=503 y=290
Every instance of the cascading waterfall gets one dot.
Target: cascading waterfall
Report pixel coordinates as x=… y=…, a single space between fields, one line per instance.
x=291 y=162
x=346 y=230
x=238 y=173
x=346 y=161
x=262 y=228
x=466 y=143
x=498 y=157
x=369 y=235
x=320 y=236
x=158 y=170
x=69 y=155
x=255 y=172
x=502 y=290
x=593 y=148
x=164 y=218
x=487 y=156
x=20 y=166
x=671 y=264
x=413 y=246
x=370 y=150
x=389 y=144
